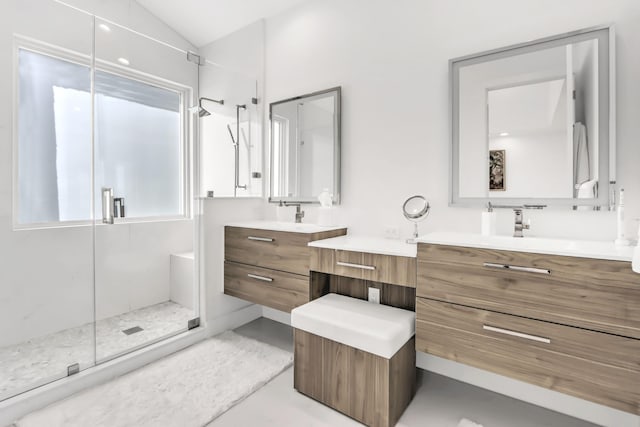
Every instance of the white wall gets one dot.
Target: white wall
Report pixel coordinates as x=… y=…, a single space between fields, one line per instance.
x=392 y=62
x=47 y=279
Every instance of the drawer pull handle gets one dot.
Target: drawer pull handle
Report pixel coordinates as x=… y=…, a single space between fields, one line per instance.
x=260 y=239
x=516 y=334
x=264 y=279
x=517 y=268
x=360 y=266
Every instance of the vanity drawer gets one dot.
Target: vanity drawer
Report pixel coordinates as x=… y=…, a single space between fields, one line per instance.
x=558 y=357
x=275 y=289
x=278 y=250
x=396 y=270
x=589 y=293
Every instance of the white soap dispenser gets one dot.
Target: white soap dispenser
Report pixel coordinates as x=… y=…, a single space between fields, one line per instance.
x=620 y=239
x=488 y=223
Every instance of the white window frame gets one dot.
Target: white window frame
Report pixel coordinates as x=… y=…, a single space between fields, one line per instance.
x=186 y=144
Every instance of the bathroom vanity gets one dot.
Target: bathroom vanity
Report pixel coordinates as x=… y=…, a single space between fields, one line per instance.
x=561 y=315
x=268 y=262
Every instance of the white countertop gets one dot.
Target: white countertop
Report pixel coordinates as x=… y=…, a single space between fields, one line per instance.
x=284 y=226
x=374 y=245
x=576 y=248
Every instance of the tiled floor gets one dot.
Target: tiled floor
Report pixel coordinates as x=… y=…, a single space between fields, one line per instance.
x=43 y=359
x=439 y=402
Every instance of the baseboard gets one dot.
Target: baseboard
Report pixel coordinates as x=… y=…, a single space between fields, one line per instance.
x=234 y=319
x=16 y=407
x=277 y=315
x=553 y=400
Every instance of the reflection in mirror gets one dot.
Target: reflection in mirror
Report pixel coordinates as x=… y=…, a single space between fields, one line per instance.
x=305 y=147
x=531 y=122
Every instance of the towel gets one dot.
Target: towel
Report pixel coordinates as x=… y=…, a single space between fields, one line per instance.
x=468 y=423
x=635 y=263
x=582 y=167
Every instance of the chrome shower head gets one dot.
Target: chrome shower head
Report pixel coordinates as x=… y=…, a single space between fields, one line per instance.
x=202 y=112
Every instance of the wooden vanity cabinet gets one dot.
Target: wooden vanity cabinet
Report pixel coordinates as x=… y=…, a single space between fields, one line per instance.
x=268 y=267
x=391 y=269
x=564 y=323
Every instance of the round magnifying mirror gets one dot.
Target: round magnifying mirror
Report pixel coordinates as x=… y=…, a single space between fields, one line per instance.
x=415 y=209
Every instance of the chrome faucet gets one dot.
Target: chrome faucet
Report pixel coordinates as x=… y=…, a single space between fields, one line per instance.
x=519 y=226
x=299 y=211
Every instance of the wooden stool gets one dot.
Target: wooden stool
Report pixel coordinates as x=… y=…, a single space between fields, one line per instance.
x=356 y=357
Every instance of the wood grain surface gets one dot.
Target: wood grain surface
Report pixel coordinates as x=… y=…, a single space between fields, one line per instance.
x=366 y=387
x=395 y=270
x=286 y=252
x=600 y=295
x=284 y=293
x=595 y=366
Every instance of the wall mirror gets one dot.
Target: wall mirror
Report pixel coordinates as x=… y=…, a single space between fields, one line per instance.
x=305 y=147
x=534 y=123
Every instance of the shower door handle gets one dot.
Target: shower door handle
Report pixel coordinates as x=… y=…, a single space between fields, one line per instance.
x=107 y=205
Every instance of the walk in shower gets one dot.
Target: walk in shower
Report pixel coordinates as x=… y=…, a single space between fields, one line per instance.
x=99 y=246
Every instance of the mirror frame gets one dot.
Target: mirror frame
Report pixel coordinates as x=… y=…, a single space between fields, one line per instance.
x=607 y=117
x=337 y=144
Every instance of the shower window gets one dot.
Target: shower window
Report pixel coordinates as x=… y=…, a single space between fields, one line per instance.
x=139 y=142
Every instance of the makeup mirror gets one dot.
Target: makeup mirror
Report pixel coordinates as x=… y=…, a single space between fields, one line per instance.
x=415 y=209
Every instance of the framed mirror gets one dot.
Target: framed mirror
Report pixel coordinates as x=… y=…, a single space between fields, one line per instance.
x=305 y=147
x=535 y=123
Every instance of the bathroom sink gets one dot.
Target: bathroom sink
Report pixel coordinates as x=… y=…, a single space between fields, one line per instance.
x=566 y=247
x=285 y=226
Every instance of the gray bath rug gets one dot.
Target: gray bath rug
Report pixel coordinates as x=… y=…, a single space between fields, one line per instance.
x=186 y=389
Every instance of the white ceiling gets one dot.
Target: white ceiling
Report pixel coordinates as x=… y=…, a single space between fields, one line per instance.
x=203 y=21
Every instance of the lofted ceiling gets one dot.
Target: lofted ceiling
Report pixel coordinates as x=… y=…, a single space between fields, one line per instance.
x=203 y=21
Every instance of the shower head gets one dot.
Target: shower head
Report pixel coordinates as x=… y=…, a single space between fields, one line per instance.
x=202 y=112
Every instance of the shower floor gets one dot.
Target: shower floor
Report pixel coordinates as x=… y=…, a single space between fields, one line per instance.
x=41 y=360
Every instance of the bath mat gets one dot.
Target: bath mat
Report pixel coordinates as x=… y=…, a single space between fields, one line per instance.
x=468 y=423
x=186 y=389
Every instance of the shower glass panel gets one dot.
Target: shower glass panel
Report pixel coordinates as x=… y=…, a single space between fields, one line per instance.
x=46 y=233
x=144 y=209
x=231 y=152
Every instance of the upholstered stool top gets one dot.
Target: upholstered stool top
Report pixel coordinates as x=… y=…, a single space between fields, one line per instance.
x=374 y=328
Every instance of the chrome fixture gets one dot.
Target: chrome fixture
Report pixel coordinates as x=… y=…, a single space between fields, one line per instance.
x=299 y=211
x=202 y=112
x=519 y=226
x=107 y=205
x=415 y=209
x=236 y=144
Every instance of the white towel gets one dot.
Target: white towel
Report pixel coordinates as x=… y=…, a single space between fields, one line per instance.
x=581 y=165
x=468 y=423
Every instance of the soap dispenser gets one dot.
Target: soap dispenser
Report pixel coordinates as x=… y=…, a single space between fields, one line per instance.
x=488 y=224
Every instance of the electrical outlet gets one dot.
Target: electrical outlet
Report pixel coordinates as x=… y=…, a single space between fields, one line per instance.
x=374 y=295
x=391 y=232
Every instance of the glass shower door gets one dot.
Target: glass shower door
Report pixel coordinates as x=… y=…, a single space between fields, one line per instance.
x=230 y=133
x=46 y=235
x=145 y=285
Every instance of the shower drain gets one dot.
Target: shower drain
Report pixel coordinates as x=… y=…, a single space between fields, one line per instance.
x=133 y=330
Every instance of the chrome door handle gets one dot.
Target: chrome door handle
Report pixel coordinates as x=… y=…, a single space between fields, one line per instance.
x=516 y=334
x=517 y=268
x=360 y=266
x=261 y=239
x=264 y=279
x=107 y=205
